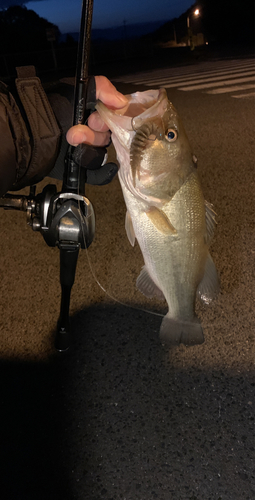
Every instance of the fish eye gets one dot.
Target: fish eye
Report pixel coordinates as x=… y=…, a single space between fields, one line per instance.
x=171 y=135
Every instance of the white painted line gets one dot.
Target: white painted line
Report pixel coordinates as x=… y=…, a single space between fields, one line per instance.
x=216 y=84
x=176 y=79
x=214 y=79
x=234 y=88
x=211 y=64
x=250 y=94
x=147 y=79
x=188 y=70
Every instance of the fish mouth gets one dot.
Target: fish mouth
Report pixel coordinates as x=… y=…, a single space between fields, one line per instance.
x=124 y=123
x=140 y=107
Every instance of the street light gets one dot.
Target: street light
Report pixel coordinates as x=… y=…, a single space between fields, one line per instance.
x=195 y=13
x=190 y=37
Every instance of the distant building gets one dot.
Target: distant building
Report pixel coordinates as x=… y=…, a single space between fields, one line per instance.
x=198 y=39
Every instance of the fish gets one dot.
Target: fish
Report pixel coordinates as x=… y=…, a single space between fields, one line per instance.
x=166 y=210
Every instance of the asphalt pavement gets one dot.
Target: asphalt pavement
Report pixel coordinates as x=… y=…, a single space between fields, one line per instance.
x=119 y=416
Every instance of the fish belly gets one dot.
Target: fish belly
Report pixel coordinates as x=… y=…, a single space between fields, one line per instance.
x=174 y=262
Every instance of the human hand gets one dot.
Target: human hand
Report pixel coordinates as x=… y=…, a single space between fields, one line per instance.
x=97 y=133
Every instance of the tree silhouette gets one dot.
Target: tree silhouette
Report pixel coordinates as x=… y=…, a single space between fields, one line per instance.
x=22 y=30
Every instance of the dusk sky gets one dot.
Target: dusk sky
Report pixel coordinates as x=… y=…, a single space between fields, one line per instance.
x=106 y=13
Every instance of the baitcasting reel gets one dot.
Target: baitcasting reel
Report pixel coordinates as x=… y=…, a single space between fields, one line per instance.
x=65 y=220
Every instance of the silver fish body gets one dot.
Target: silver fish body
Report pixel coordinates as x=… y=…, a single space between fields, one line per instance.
x=166 y=210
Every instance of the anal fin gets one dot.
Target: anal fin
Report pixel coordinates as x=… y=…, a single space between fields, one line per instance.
x=147 y=286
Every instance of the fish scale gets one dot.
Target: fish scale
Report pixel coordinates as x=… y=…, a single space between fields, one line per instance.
x=177 y=268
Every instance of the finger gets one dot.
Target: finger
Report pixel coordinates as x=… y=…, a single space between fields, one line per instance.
x=81 y=133
x=108 y=94
x=96 y=123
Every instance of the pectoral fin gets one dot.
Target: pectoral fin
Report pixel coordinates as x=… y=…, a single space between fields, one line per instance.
x=147 y=286
x=161 y=221
x=129 y=229
x=209 y=287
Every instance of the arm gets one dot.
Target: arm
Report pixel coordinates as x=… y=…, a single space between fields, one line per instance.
x=17 y=147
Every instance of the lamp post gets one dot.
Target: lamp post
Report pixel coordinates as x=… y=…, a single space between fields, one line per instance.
x=190 y=37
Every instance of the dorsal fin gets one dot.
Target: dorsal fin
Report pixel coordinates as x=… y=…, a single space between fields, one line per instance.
x=210 y=219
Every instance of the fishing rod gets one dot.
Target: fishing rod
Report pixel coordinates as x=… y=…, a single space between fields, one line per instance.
x=66 y=219
x=77 y=214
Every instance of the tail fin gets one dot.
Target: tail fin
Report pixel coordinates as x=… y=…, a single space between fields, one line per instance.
x=175 y=332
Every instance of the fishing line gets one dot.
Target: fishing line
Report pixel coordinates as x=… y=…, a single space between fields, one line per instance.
x=93 y=273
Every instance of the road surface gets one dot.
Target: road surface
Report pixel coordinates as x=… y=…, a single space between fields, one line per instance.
x=119 y=416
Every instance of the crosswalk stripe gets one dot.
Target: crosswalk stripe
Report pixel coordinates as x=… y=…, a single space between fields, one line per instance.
x=226 y=76
x=175 y=82
x=233 y=88
x=215 y=84
x=160 y=79
x=242 y=96
x=186 y=71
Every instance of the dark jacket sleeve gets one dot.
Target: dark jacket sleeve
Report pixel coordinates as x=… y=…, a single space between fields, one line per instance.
x=33 y=126
x=30 y=134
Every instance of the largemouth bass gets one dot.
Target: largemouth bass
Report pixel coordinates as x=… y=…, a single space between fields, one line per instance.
x=166 y=210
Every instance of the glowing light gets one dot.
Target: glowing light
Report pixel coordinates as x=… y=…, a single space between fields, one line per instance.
x=196 y=12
